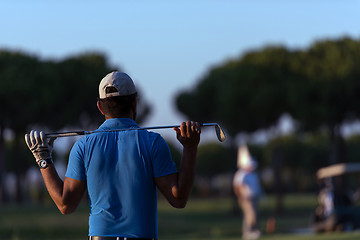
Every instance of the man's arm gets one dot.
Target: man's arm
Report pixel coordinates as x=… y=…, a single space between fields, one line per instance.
x=67 y=194
x=177 y=187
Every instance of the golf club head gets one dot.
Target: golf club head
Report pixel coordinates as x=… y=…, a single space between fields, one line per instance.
x=220 y=133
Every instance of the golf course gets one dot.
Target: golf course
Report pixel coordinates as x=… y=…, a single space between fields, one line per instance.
x=204 y=218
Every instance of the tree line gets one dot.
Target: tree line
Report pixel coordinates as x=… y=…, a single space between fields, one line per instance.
x=49 y=95
x=317 y=86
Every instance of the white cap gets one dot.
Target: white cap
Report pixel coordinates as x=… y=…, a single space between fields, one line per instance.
x=120 y=81
x=245 y=160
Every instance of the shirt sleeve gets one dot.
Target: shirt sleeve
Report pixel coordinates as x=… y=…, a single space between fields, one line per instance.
x=162 y=161
x=76 y=167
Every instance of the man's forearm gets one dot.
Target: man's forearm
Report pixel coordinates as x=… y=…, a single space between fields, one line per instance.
x=54 y=185
x=66 y=195
x=182 y=183
x=187 y=172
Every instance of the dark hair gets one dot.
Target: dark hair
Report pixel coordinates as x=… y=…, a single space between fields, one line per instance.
x=117 y=106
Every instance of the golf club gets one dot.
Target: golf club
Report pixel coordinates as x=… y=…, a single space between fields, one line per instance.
x=219 y=132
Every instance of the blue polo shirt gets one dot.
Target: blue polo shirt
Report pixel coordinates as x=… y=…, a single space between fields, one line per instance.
x=119 y=168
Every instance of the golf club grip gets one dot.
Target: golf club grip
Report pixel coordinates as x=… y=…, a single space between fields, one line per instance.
x=65 y=134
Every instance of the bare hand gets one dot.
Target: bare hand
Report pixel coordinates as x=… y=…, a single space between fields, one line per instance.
x=189 y=133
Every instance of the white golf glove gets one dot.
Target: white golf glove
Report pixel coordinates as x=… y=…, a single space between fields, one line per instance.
x=39 y=145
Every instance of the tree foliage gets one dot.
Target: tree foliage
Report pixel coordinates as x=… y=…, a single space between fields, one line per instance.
x=50 y=95
x=329 y=96
x=244 y=95
x=317 y=86
x=212 y=159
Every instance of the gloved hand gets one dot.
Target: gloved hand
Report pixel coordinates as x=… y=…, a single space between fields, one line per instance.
x=39 y=145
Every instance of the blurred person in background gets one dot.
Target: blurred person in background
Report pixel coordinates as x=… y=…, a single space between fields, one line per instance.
x=247 y=188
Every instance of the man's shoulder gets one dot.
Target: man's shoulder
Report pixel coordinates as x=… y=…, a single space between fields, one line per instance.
x=152 y=136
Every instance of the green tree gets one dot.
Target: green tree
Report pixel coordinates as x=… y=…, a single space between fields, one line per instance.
x=329 y=98
x=18 y=86
x=317 y=86
x=80 y=76
x=48 y=94
x=213 y=159
x=244 y=95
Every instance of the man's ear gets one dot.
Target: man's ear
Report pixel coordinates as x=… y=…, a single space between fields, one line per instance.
x=99 y=107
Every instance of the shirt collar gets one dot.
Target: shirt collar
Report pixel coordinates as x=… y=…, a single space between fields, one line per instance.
x=118 y=123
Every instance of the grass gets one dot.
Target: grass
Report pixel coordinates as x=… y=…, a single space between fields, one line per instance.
x=201 y=219
x=45 y=222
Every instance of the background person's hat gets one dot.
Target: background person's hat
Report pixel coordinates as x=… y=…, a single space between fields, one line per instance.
x=245 y=160
x=118 y=81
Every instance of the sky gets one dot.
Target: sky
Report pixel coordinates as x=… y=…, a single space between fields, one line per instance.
x=168 y=46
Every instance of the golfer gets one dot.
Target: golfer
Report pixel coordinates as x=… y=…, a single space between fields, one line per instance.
x=121 y=170
x=247 y=188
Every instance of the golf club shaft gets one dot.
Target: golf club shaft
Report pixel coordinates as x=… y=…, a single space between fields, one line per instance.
x=79 y=133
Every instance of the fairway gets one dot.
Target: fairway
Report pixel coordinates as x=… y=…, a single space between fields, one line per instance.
x=201 y=219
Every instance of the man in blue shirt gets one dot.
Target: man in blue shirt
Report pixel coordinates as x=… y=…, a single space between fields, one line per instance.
x=121 y=170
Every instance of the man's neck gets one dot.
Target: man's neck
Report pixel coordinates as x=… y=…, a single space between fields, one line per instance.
x=122 y=116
